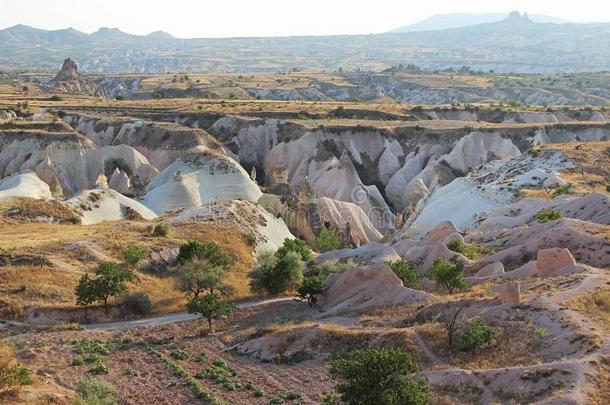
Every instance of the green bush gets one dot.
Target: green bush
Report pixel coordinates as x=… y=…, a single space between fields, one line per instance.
x=546 y=215
x=407 y=272
x=329 y=239
x=92 y=391
x=136 y=303
x=276 y=274
x=477 y=336
x=13 y=375
x=160 y=230
x=250 y=239
x=311 y=287
x=563 y=189
x=98 y=369
x=132 y=255
x=457 y=246
x=449 y=275
x=55 y=97
x=378 y=376
x=211 y=307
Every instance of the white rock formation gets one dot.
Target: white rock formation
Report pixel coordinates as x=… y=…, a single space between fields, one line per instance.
x=24 y=185
x=101 y=205
x=198 y=179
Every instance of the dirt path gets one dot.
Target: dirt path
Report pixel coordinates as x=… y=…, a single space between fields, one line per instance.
x=170 y=318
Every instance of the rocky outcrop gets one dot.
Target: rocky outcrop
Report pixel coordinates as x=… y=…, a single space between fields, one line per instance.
x=197 y=179
x=553 y=260
x=369 y=254
x=360 y=289
x=24 y=185
x=509 y=293
x=70 y=81
x=99 y=205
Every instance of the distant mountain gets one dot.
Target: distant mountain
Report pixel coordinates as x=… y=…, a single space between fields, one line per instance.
x=457 y=20
x=514 y=44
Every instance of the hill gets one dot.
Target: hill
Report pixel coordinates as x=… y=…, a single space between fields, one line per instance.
x=515 y=44
x=457 y=20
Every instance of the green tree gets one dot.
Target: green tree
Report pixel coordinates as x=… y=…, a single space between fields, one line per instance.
x=478 y=335
x=210 y=306
x=295 y=245
x=110 y=281
x=276 y=274
x=133 y=255
x=13 y=375
x=210 y=251
x=328 y=240
x=198 y=275
x=378 y=377
x=311 y=287
x=449 y=275
x=407 y=272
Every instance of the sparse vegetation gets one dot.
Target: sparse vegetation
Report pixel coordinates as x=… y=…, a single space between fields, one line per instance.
x=132 y=255
x=136 y=303
x=211 y=306
x=467 y=249
x=92 y=391
x=13 y=375
x=160 y=230
x=563 y=189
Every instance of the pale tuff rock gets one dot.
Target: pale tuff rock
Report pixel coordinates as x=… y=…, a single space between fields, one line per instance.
x=24 y=185
x=553 y=260
x=360 y=288
x=205 y=178
x=440 y=232
x=120 y=182
x=509 y=293
x=369 y=254
x=491 y=270
x=270 y=231
x=101 y=205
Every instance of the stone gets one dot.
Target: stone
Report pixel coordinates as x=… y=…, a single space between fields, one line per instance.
x=440 y=232
x=491 y=270
x=508 y=293
x=68 y=72
x=551 y=260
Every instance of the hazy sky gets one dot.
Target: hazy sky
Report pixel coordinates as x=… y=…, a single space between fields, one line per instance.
x=222 y=18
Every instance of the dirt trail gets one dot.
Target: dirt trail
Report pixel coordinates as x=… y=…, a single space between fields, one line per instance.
x=171 y=318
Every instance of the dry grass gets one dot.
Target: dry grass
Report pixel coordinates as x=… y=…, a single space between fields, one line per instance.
x=595 y=305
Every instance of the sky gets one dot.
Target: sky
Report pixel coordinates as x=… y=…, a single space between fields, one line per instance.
x=228 y=18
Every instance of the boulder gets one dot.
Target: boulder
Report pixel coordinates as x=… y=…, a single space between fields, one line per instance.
x=439 y=251
x=491 y=270
x=360 y=288
x=440 y=232
x=551 y=260
x=508 y=293
x=369 y=254
x=453 y=236
x=529 y=269
x=403 y=246
x=119 y=181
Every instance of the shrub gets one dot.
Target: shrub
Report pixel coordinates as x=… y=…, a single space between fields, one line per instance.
x=457 y=246
x=563 y=189
x=329 y=239
x=250 y=239
x=407 y=272
x=276 y=274
x=180 y=354
x=132 y=255
x=449 y=275
x=378 y=376
x=295 y=245
x=478 y=335
x=98 y=369
x=546 y=215
x=109 y=281
x=209 y=251
x=13 y=375
x=92 y=391
x=137 y=303
x=55 y=97
x=160 y=230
